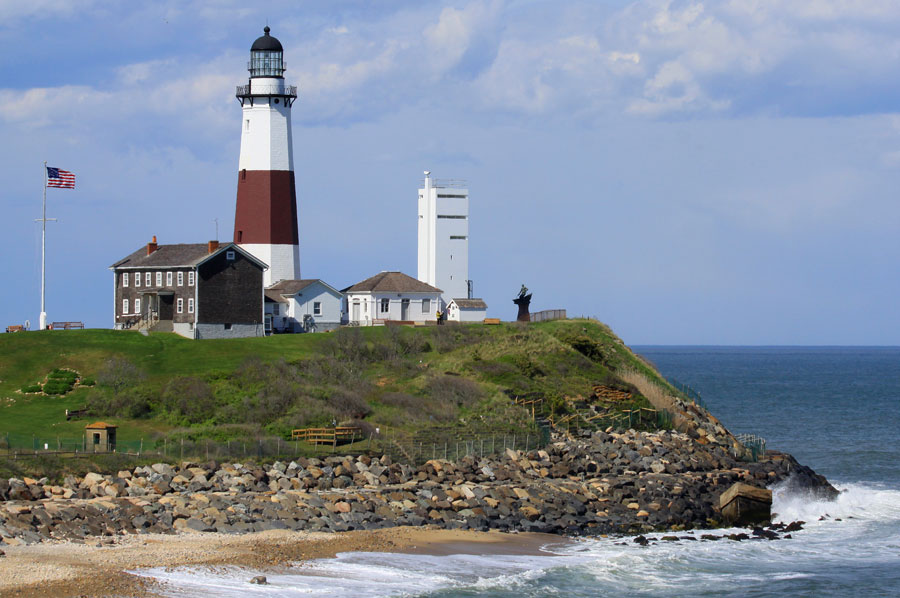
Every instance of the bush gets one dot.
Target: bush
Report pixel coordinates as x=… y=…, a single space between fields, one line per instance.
x=57 y=387
x=87 y=382
x=453 y=390
x=349 y=404
x=190 y=398
x=32 y=388
x=118 y=374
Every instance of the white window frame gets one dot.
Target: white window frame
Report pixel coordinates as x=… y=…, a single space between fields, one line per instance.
x=137 y=279
x=180 y=278
x=191 y=278
x=385 y=306
x=137 y=305
x=230 y=255
x=179 y=305
x=124 y=307
x=124 y=279
x=190 y=305
x=317 y=308
x=169 y=278
x=275 y=307
x=426 y=306
x=159 y=279
x=148 y=279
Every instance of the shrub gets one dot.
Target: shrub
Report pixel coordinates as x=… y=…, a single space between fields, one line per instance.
x=87 y=382
x=453 y=390
x=349 y=404
x=32 y=388
x=190 y=398
x=118 y=374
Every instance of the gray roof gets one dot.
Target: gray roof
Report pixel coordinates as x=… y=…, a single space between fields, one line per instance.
x=287 y=288
x=470 y=303
x=176 y=255
x=391 y=282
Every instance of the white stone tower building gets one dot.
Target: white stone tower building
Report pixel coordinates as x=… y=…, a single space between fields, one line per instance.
x=444 y=237
x=265 y=221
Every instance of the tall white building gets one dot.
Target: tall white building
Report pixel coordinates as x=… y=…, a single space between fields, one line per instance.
x=444 y=237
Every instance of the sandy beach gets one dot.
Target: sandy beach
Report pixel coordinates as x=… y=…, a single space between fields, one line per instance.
x=100 y=566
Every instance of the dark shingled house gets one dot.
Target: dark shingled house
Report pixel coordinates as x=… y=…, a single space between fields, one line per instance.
x=199 y=290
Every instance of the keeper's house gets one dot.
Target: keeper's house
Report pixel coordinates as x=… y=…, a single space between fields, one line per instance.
x=202 y=290
x=391 y=296
x=310 y=305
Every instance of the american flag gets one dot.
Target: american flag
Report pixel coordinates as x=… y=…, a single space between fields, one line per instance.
x=62 y=179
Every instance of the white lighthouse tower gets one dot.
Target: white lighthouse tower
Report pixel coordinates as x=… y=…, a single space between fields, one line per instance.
x=265 y=220
x=444 y=237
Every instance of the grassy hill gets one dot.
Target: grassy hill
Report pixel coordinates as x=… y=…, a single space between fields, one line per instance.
x=406 y=379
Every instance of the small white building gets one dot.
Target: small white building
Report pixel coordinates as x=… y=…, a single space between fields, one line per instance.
x=466 y=310
x=309 y=305
x=391 y=296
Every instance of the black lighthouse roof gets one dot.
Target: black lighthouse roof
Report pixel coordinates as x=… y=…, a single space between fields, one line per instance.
x=266 y=43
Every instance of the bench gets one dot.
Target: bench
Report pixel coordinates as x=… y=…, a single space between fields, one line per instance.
x=492 y=321
x=66 y=325
x=15 y=328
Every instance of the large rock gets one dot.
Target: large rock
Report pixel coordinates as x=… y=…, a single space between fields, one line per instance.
x=743 y=504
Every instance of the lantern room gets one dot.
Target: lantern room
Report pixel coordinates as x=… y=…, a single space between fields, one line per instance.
x=266 y=57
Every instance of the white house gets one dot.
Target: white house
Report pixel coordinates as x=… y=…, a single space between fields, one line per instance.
x=309 y=305
x=466 y=310
x=391 y=296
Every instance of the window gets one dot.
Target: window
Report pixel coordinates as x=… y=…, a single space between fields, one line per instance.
x=227 y=326
x=452 y=195
x=461 y=237
x=147 y=277
x=124 y=307
x=247 y=125
x=229 y=255
x=179 y=305
x=159 y=279
x=317 y=308
x=451 y=217
x=180 y=279
x=426 y=306
x=124 y=279
x=137 y=306
x=137 y=279
x=169 y=278
x=191 y=278
x=385 y=306
x=191 y=306
x=275 y=309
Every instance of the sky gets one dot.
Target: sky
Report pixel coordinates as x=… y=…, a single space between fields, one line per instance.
x=687 y=172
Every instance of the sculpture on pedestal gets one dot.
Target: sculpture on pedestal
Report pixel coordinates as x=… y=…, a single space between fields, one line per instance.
x=523 y=301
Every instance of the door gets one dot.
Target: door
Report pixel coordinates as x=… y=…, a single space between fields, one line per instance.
x=404 y=309
x=354 y=313
x=166 y=307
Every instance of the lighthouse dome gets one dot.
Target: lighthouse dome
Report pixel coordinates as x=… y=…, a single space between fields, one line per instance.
x=266 y=57
x=266 y=43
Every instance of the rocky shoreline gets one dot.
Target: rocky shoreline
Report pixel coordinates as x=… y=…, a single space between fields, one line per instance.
x=604 y=483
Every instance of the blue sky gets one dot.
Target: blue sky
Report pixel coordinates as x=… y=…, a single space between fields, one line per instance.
x=687 y=172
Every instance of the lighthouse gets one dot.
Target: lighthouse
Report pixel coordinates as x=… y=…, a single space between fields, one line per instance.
x=265 y=219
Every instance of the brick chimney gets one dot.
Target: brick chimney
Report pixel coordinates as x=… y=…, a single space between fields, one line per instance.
x=212 y=246
x=152 y=246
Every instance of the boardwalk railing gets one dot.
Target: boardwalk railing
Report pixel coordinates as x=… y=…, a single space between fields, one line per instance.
x=338 y=435
x=548 y=314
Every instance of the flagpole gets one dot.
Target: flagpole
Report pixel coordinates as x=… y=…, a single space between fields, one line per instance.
x=43 y=318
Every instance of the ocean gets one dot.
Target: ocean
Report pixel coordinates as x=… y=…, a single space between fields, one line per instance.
x=837 y=409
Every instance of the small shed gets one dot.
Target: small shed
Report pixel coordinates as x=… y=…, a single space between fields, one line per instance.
x=100 y=437
x=466 y=310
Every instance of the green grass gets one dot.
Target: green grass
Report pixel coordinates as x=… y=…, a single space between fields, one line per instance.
x=305 y=377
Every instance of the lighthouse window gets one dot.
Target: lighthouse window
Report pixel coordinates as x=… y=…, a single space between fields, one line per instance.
x=247 y=125
x=276 y=100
